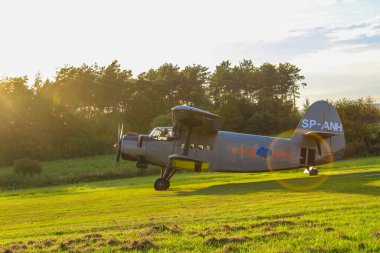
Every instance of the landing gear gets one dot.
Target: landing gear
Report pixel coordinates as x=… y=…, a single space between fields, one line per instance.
x=163 y=182
x=312 y=171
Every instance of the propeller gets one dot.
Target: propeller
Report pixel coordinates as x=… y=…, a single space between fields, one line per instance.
x=118 y=144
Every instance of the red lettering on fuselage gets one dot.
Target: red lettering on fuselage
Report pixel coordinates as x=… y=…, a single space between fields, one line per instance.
x=251 y=152
x=280 y=153
x=234 y=150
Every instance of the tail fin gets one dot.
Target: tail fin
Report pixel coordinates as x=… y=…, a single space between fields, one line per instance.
x=322 y=121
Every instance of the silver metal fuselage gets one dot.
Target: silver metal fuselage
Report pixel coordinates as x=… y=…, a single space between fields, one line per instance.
x=235 y=152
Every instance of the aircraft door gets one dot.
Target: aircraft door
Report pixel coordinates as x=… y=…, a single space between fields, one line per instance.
x=311 y=156
x=179 y=147
x=307 y=156
x=303 y=156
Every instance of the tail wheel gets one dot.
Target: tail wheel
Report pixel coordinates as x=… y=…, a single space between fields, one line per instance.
x=313 y=171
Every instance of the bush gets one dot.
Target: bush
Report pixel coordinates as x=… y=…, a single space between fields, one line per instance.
x=375 y=149
x=355 y=149
x=27 y=166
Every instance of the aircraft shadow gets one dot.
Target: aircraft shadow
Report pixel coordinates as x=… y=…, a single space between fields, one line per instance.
x=354 y=183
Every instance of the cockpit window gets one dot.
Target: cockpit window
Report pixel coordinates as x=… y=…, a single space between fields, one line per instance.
x=155 y=132
x=162 y=134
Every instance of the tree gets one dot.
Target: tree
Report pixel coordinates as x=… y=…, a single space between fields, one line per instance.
x=191 y=88
x=76 y=113
x=359 y=118
x=162 y=120
x=268 y=84
x=220 y=82
x=229 y=109
x=289 y=79
x=112 y=88
x=306 y=105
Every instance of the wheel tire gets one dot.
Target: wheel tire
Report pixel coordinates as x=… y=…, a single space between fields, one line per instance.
x=161 y=184
x=313 y=172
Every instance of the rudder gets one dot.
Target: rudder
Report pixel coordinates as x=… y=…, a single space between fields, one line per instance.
x=321 y=128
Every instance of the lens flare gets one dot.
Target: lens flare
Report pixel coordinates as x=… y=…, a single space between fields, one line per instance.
x=324 y=157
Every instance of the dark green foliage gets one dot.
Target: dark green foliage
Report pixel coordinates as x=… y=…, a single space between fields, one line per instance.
x=272 y=118
x=375 y=149
x=229 y=109
x=77 y=113
x=162 y=120
x=359 y=118
x=26 y=166
x=258 y=100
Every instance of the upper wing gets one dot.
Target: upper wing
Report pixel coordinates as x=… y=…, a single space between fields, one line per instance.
x=191 y=125
x=196 y=118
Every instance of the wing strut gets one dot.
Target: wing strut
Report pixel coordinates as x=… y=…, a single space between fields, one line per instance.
x=187 y=140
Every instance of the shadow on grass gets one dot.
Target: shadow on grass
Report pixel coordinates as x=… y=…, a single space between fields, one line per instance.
x=354 y=183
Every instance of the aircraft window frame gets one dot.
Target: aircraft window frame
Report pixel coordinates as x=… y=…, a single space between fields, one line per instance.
x=154 y=134
x=162 y=134
x=199 y=146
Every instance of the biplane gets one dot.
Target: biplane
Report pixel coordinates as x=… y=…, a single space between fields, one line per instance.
x=196 y=143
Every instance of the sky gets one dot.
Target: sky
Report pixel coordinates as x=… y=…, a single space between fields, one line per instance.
x=336 y=43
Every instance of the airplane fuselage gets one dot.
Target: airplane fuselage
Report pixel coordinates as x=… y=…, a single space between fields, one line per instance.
x=195 y=143
x=235 y=152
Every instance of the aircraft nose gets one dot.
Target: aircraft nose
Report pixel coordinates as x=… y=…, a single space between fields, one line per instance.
x=128 y=145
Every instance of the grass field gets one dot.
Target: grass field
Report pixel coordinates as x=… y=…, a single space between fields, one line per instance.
x=287 y=211
x=72 y=171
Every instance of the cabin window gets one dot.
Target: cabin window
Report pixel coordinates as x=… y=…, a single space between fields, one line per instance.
x=155 y=132
x=162 y=134
x=199 y=146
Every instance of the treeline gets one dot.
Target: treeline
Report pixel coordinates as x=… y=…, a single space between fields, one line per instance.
x=76 y=113
x=361 y=121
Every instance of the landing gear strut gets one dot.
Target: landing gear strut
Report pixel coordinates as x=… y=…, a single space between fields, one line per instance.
x=312 y=171
x=163 y=182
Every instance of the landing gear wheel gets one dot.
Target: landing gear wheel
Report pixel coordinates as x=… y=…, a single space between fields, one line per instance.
x=161 y=184
x=313 y=171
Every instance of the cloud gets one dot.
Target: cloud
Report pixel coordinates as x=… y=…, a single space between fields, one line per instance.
x=352 y=38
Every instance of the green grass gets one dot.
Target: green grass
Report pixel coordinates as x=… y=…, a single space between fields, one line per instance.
x=206 y=212
x=72 y=171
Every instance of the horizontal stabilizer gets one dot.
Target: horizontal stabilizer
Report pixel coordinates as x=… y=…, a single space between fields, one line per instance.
x=181 y=162
x=322 y=134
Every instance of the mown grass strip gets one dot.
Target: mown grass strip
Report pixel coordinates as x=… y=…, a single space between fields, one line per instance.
x=210 y=212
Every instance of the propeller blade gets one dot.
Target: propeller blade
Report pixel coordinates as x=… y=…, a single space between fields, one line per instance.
x=118 y=134
x=119 y=142
x=117 y=158
x=117 y=146
x=121 y=130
